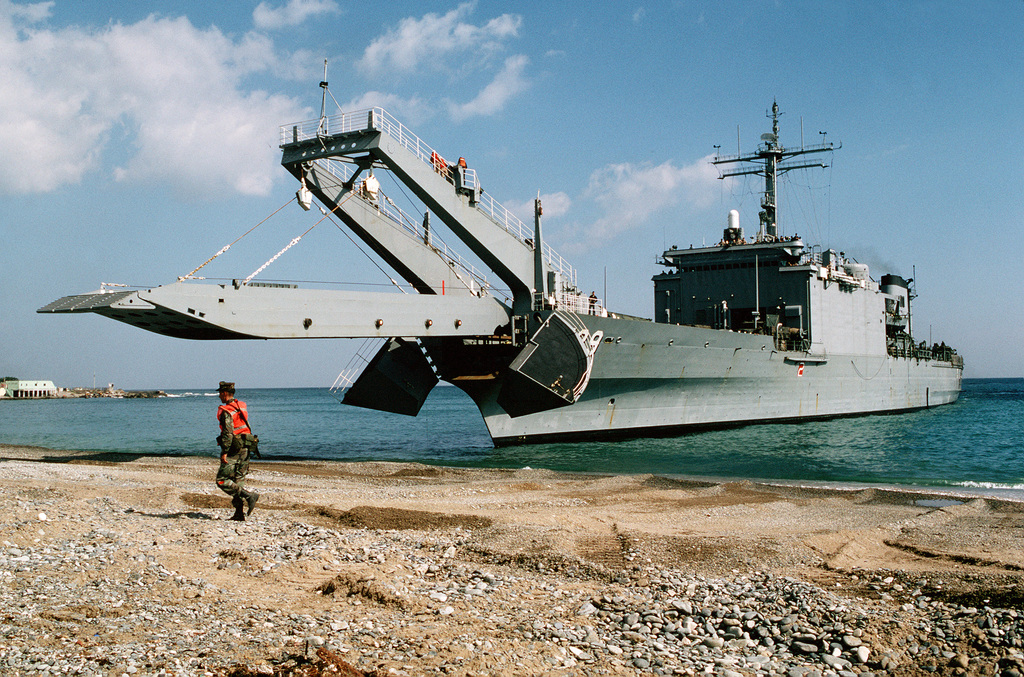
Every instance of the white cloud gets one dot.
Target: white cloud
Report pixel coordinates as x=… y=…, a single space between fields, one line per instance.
x=175 y=89
x=629 y=194
x=410 y=111
x=492 y=98
x=554 y=204
x=266 y=17
x=31 y=12
x=432 y=38
x=638 y=15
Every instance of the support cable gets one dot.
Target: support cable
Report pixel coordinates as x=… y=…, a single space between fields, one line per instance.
x=294 y=241
x=370 y=258
x=228 y=246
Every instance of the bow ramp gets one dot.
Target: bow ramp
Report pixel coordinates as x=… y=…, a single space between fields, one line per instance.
x=534 y=356
x=373 y=139
x=275 y=311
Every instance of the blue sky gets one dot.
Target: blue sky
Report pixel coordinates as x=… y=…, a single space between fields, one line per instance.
x=139 y=138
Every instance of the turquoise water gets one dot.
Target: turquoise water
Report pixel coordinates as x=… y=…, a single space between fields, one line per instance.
x=976 y=443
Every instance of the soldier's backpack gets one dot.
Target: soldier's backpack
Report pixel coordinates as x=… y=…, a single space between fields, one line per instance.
x=250 y=440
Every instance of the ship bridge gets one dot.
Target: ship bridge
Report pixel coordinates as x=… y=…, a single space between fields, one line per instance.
x=735 y=285
x=807 y=300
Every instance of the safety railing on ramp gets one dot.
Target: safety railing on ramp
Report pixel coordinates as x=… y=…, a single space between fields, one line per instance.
x=394 y=213
x=380 y=119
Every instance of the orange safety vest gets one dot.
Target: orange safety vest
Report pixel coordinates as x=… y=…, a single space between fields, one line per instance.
x=239 y=416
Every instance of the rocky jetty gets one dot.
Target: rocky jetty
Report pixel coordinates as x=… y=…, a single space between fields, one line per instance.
x=112 y=392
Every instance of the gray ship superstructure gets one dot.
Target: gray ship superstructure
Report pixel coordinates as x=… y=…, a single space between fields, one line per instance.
x=745 y=331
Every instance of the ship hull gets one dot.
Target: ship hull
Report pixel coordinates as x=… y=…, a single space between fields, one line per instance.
x=653 y=379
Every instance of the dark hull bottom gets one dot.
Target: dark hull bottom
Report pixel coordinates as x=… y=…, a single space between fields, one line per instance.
x=664 y=431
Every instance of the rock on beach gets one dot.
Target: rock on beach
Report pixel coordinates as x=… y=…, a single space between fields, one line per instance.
x=131 y=567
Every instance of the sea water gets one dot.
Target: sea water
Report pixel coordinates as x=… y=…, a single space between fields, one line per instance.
x=976 y=444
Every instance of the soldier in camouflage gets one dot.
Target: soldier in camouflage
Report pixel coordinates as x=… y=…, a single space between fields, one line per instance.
x=234 y=440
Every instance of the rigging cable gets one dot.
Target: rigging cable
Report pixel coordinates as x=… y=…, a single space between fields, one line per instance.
x=228 y=246
x=828 y=218
x=294 y=241
x=370 y=258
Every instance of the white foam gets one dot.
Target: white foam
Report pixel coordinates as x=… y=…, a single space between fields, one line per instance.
x=989 y=485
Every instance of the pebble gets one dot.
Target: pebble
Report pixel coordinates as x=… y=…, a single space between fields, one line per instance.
x=102 y=599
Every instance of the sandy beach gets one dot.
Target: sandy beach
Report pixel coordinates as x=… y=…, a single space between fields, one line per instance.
x=128 y=565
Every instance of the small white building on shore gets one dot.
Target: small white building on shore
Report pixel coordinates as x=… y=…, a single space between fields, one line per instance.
x=17 y=388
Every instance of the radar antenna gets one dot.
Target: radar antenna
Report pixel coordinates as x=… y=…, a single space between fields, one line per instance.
x=768 y=157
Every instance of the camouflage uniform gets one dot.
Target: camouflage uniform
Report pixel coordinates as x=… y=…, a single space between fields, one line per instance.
x=234 y=454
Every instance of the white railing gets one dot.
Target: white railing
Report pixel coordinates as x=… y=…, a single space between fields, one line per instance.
x=356 y=364
x=380 y=119
x=388 y=208
x=578 y=303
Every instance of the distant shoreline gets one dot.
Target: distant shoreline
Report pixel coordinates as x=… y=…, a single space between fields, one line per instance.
x=76 y=393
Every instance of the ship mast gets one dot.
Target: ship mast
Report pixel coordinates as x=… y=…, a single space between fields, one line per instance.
x=770 y=159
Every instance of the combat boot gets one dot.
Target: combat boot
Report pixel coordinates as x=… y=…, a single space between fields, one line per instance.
x=250 y=501
x=239 y=504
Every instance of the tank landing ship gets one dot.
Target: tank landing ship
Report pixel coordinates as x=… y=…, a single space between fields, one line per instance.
x=745 y=331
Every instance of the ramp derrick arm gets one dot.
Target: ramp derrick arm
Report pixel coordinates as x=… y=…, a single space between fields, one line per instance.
x=376 y=138
x=411 y=257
